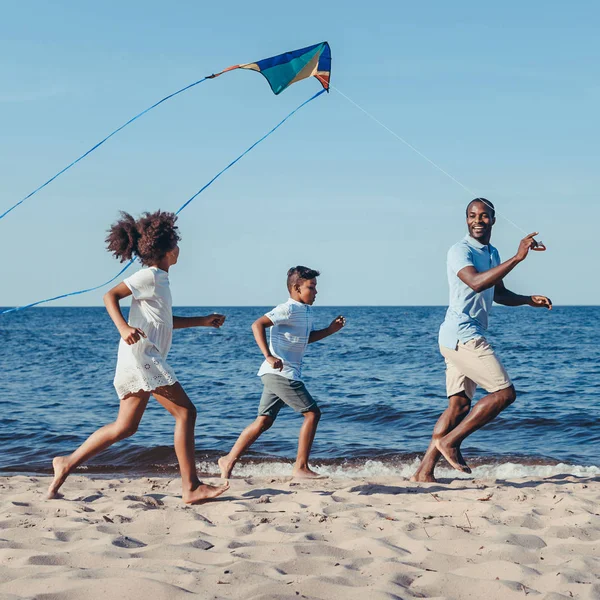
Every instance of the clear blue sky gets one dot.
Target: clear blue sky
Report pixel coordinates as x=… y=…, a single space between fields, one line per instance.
x=504 y=96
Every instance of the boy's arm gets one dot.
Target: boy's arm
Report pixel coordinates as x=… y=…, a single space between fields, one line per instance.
x=259 y=328
x=507 y=298
x=320 y=334
x=111 y=300
x=214 y=320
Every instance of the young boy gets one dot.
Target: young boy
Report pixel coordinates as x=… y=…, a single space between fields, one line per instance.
x=281 y=372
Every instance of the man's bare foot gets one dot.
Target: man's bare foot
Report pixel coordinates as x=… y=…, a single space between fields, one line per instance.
x=306 y=473
x=423 y=477
x=61 y=472
x=203 y=493
x=226 y=467
x=453 y=456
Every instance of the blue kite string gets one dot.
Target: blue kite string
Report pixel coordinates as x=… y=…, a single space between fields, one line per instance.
x=178 y=211
x=248 y=150
x=187 y=87
x=71 y=293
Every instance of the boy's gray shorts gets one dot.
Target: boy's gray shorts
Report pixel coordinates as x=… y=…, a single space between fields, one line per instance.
x=279 y=390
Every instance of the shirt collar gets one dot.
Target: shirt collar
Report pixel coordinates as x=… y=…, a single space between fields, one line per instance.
x=292 y=301
x=473 y=242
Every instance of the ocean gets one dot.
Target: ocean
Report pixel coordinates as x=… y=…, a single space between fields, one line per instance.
x=379 y=382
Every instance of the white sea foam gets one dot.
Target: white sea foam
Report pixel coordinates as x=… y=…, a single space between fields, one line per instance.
x=377 y=468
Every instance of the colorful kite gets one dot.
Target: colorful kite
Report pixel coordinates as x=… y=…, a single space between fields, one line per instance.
x=280 y=71
x=283 y=70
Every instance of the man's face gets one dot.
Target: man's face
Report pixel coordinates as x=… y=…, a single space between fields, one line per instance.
x=480 y=221
x=307 y=291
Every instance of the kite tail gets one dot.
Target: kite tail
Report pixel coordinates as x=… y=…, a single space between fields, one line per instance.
x=178 y=211
x=187 y=87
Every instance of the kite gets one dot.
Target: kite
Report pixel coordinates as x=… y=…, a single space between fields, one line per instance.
x=283 y=70
x=280 y=71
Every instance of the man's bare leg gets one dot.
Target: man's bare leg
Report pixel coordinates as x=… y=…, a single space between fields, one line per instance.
x=130 y=414
x=458 y=408
x=176 y=401
x=483 y=412
x=246 y=439
x=305 y=441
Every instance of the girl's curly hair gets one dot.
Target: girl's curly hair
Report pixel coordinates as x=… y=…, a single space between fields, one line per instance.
x=149 y=238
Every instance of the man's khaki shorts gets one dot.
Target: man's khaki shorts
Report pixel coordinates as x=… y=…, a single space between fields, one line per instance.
x=473 y=364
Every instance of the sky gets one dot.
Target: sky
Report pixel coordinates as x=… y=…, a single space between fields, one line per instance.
x=501 y=96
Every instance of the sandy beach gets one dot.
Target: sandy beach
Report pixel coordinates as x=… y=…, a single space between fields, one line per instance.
x=271 y=537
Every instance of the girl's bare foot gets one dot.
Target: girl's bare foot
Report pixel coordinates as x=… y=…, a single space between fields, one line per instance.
x=203 y=493
x=226 y=467
x=61 y=472
x=453 y=456
x=306 y=473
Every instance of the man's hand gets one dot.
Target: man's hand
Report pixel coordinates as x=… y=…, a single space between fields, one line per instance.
x=527 y=244
x=131 y=335
x=276 y=363
x=540 y=302
x=215 y=320
x=337 y=324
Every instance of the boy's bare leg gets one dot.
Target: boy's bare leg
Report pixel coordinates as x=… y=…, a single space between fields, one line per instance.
x=130 y=414
x=483 y=412
x=305 y=441
x=246 y=439
x=458 y=408
x=176 y=401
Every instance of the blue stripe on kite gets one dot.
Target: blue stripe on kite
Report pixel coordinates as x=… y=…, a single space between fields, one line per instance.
x=273 y=61
x=178 y=211
x=187 y=87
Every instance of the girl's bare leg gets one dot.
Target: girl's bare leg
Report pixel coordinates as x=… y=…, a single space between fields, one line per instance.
x=130 y=414
x=176 y=401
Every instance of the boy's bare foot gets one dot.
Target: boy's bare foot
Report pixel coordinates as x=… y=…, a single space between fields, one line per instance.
x=226 y=467
x=453 y=456
x=423 y=478
x=306 y=473
x=203 y=493
x=61 y=472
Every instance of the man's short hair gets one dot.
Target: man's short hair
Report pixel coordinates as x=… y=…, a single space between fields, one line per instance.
x=297 y=274
x=483 y=201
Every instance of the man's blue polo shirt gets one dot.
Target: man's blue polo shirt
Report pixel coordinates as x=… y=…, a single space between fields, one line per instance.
x=467 y=315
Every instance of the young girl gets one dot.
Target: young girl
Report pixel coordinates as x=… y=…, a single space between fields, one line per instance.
x=145 y=341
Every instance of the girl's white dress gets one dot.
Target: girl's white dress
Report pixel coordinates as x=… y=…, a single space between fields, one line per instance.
x=143 y=365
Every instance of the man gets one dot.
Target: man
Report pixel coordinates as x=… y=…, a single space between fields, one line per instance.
x=475 y=277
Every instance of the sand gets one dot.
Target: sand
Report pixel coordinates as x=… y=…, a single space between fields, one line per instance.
x=270 y=537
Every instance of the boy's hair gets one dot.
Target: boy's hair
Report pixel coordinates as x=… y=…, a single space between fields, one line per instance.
x=483 y=201
x=149 y=238
x=297 y=274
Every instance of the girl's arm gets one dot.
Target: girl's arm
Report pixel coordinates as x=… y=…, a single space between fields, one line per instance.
x=130 y=335
x=210 y=321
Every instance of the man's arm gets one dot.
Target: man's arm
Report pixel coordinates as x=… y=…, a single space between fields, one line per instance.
x=504 y=296
x=479 y=282
x=259 y=329
x=210 y=321
x=320 y=334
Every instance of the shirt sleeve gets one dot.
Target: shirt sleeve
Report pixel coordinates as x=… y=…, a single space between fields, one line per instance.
x=141 y=284
x=459 y=257
x=280 y=314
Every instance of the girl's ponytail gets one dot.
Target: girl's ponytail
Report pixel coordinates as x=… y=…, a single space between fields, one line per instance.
x=123 y=237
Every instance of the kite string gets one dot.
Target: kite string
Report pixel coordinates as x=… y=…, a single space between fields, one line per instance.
x=183 y=89
x=473 y=194
x=178 y=211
